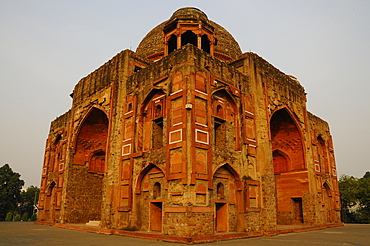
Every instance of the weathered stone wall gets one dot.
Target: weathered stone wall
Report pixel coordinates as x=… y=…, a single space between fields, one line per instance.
x=268 y=208
x=84 y=196
x=51 y=196
x=101 y=78
x=326 y=183
x=188 y=224
x=309 y=208
x=253 y=221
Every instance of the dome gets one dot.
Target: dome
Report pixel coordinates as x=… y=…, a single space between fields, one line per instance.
x=154 y=44
x=189 y=13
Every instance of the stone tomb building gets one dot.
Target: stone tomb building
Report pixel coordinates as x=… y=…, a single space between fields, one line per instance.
x=188 y=136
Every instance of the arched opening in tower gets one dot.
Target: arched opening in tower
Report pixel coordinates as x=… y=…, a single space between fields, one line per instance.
x=172 y=44
x=206 y=44
x=189 y=38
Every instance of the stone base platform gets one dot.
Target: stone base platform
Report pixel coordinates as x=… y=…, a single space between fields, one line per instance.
x=188 y=240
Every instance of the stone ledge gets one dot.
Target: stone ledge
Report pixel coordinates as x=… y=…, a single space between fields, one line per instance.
x=95 y=223
x=188 y=240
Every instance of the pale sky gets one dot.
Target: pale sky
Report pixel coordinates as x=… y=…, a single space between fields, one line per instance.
x=47 y=46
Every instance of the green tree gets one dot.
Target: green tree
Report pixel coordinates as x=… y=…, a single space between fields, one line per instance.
x=25 y=216
x=33 y=217
x=9 y=216
x=364 y=199
x=29 y=198
x=17 y=217
x=10 y=190
x=348 y=187
x=355 y=198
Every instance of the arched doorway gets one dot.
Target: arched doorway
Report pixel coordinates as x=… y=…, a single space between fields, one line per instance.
x=288 y=162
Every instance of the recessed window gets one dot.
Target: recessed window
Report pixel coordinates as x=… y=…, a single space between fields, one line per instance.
x=220 y=191
x=129 y=107
x=156 y=190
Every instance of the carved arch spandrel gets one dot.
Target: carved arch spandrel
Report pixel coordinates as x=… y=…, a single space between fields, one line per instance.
x=229 y=168
x=152 y=94
x=149 y=168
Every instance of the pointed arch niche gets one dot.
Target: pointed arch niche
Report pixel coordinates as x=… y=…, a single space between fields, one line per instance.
x=89 y=159
x=327 y=204
x=226 y=196
x=57 y=155
x=289 y=167
x=149 y=198
x=322 y=155
x=151 y=127
x=50 y=202
x=286 y=140
x=224 y=112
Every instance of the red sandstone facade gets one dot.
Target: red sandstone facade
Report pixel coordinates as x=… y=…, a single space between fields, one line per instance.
x=189 y=137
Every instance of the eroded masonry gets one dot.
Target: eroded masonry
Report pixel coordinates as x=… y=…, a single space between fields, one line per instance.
x=188 y=136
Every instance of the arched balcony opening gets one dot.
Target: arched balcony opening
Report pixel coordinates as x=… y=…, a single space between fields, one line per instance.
x=172 y=44
x=189 y=38
x=206 y=44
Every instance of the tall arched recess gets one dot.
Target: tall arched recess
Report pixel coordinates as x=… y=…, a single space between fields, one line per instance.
x=289 y=168
x=88 y=168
